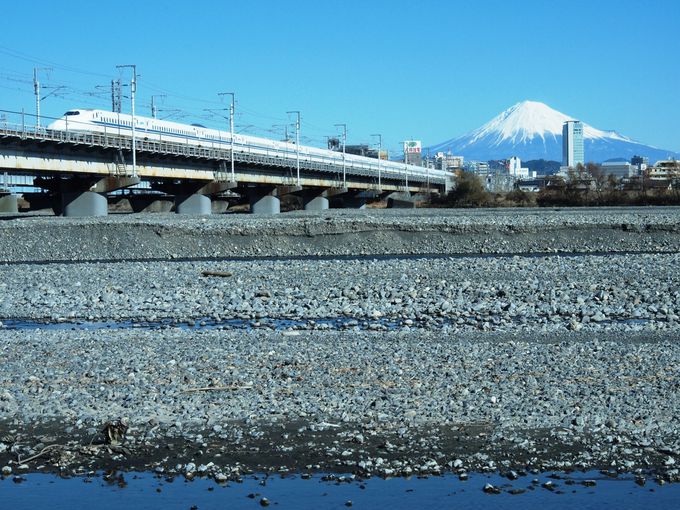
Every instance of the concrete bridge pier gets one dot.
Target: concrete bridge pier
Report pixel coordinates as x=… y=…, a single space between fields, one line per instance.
x=83 y=196
x=193 y=204
x=264 y=200
x=401 y=200
x=314 y=202
x=353 y=199
x=314 y=199
x=8 y=203
x=193 y=197
x=219 y=205
x=84 y=203
x=150 y=202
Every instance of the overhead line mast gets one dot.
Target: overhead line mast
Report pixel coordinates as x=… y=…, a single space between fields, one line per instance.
x=36 y=90
x=133 y=89
x=231 y=130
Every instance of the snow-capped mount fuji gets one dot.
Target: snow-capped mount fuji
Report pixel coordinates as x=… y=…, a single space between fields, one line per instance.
x=533 y=130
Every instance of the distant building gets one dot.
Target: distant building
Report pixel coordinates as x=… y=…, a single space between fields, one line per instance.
x=516 y=170
x=665 y=170
x=534 y=184
x=621 y=170
x=413 y=152
x=640 y=162
x=443 y=161
x=477 y=167
x=572 y=144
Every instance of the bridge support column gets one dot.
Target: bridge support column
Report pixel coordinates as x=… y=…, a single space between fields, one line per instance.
x=193 y=204
x=401 y=201
x=84 y=203
x=219 y=205
x=316 y=203
x=264 y=201
x=314 y=199
x=83 y=195
x=193 y=197
x=150 y=203
x=9 y=203
x=353 y=199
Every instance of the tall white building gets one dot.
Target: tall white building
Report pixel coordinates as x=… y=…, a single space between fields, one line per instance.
x=515 y=168
x=572 y=144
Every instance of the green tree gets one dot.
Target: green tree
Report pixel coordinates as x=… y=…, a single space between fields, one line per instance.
x=469 y=191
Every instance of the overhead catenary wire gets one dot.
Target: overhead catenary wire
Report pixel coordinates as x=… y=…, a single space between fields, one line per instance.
x=73 y=96
x=41 y=61
x=97 y=99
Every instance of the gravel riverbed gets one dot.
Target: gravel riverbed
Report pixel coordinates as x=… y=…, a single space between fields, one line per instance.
x=340 y=232
x=487 y=293
x=383 y=403
x=391 y=365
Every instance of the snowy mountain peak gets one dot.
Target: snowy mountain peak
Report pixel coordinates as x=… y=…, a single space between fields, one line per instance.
x=529 y=120
x=533 y=130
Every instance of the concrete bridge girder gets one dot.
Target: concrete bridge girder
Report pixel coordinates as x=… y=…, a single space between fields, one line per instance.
x=81 y=183
x=193 y=187
x=100 y=167
x=113 y=183
x=71 y=164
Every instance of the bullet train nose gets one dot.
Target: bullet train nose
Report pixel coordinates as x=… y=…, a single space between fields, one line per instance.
x=58 y=124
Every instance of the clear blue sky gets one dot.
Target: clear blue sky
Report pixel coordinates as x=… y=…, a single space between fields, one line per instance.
x=430 y=70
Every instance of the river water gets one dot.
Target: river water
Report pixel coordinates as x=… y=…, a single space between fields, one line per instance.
x=146 y=490
x=207 y=323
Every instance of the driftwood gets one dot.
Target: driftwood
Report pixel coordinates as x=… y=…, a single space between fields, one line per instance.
x=40 y=454
x=219 y=388
x=222 y=274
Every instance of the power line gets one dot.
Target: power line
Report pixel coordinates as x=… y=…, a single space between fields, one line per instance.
x=98 y=99
x=40 y=61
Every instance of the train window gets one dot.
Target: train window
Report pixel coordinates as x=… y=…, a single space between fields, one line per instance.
x=72 y=112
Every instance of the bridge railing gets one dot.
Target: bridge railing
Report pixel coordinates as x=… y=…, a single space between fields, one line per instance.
x=27 y=127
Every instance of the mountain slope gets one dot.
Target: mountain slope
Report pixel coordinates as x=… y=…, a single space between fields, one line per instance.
x=533 y=130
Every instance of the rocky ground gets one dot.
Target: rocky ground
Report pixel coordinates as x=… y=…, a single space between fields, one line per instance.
x=386 y=365
x=384 y=403
x=340 y=232
x=518 y=293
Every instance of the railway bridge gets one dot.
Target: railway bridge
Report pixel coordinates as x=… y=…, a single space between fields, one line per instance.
x=77 y=170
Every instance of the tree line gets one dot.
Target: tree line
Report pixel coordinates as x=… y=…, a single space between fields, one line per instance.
x=585 y=186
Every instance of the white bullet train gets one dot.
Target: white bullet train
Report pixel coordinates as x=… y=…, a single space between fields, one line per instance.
x=101 y=121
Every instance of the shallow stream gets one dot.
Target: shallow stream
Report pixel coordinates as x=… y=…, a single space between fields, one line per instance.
x=591 y=490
